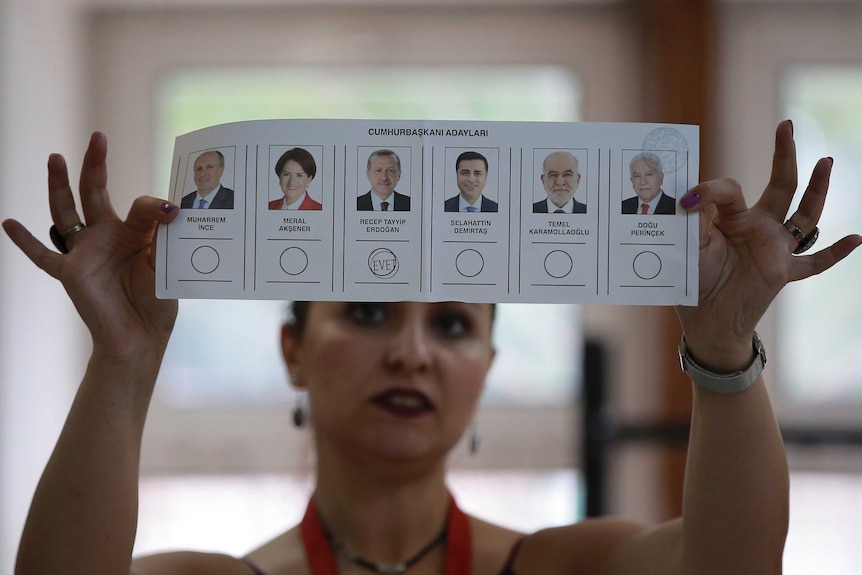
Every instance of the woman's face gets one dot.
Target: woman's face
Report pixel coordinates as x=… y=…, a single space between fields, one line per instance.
x=396 y=381
x=293 y=181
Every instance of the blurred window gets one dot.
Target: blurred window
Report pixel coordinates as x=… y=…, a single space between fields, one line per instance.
x=796 y=60
x=821 y=362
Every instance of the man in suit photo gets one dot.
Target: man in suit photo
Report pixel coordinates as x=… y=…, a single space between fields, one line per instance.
x=471 y=171
x=647 y=178
x=560 y=178
x=383 y=171
x=210 y=195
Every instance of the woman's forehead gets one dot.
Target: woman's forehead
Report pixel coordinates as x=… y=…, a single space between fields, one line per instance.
x=417 y=305
x=303 y=311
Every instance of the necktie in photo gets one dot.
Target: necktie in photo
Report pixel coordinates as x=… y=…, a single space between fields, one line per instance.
x=644 y=208
x=202 y=204
x=384 y=206
x=472 y=209
x=559 y=211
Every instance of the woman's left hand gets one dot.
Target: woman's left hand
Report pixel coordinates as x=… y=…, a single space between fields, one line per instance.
x=746 y=254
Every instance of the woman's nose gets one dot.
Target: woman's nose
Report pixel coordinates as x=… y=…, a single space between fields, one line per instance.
x=409 y=348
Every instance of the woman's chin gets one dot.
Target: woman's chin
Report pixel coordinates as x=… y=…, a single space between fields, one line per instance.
x=403 y=446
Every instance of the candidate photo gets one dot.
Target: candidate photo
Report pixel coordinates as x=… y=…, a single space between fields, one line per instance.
x=471 y=173
x=647 y=177
x=295 y=169
x=560 y=179
x=210 y=194
x=383 y=170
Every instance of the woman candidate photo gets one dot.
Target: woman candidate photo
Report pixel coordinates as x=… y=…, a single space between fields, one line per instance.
x=295 y=170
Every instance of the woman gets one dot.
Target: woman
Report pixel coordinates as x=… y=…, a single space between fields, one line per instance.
x=295 y=170
x=400 y=394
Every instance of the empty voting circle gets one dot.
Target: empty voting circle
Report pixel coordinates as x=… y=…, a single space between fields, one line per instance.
x=558 y=264
x=469 y=263
x=647 y=265
x=293 y=261
x=205 y=260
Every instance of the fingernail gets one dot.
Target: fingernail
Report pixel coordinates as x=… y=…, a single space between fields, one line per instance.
x=690 y=200
x=167 y=207
x=791 y=127
x=831 y=160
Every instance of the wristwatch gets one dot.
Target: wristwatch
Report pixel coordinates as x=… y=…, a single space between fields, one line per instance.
x=723 y=382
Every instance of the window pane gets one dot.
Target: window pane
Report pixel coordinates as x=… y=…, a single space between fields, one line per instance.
x=177 y=512
x=227 y=352
x=820 y=363
x=826 y=512
x=195 y=99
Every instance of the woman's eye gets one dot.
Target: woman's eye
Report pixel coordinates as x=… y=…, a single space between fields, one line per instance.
x=367 y=312
x=453 y=325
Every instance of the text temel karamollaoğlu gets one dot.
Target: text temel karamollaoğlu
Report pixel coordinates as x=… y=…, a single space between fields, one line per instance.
x=367 y=210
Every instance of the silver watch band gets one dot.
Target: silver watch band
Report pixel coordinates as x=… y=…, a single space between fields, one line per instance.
x=723 y=382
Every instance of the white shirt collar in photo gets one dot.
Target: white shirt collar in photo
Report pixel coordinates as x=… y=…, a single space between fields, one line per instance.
x=464 y=204
x=568 y=208
x=209 y=199
x=375 y=201
x=295 y=205
x=653 y=203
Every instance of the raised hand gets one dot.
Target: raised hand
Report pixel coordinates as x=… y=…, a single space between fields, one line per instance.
x=746 y=254
x=108 y=271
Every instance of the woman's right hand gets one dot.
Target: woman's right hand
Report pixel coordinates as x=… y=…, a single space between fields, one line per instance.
x=109 y=272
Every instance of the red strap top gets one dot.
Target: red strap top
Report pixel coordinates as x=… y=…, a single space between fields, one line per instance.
x=459 y=545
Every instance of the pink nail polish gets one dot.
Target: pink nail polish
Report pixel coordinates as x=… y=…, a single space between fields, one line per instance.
x=690 y=200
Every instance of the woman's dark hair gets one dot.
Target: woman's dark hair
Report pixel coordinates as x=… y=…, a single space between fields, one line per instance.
x=300 y=156
x=297 y=315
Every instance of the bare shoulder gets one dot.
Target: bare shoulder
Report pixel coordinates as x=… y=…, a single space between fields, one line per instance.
x=591 y=547
x=492 y=545
x=283 y=555
x=189 y=563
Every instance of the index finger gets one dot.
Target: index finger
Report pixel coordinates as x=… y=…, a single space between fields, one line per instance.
x=724 y=194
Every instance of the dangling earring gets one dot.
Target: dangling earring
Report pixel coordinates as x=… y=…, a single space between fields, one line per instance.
x=474 y=437
x=299 y=417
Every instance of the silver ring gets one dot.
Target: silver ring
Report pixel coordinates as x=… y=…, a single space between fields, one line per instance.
x=803 y=241
x=59 y=240
x=73 y=230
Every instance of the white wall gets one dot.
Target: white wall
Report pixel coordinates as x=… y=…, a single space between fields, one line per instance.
x=40 y=103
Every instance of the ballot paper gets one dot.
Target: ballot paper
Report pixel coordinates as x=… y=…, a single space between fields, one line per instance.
x=370 y=210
